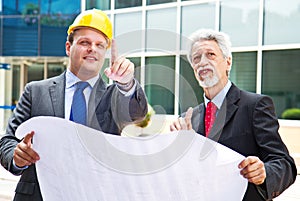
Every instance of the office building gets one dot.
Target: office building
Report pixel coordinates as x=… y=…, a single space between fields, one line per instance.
x=153 y=34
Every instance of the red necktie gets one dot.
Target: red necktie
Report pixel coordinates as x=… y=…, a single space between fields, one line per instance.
x=210 y=116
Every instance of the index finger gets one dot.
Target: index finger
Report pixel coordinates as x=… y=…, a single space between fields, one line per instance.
x=114 y=52
x=28 y=137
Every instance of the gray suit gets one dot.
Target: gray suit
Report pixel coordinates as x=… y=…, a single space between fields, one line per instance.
x=246 y=123
x=109 y=111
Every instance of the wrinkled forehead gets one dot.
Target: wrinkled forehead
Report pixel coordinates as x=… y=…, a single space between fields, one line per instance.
x=205 y=45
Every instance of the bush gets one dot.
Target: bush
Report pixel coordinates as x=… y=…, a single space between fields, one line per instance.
x=292 y=113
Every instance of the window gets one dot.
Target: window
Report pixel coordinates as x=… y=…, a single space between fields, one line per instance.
x=243 y=70
x=190 y=92
x=281 y=22
x=60 y=7
x=127 y=3
x=25 y=7
x=137 y=67
x=281 y=78
x=239 y=19
x=190 y=20
x=54 y=35
x=55 y=69
x=128 y=32
x=99 y=4
x=159 y=83
x=152 y=2
x=161 y=26
x=15 y=84
x=21 y=36
x=35 y=71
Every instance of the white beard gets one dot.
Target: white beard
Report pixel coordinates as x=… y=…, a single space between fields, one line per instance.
x=209 y=82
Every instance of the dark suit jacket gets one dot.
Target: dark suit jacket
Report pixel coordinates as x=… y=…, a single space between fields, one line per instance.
x=46 y=98
x=246 y=123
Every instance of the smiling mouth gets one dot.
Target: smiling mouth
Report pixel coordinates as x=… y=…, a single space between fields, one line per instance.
x=90 y=58
x=204 y=72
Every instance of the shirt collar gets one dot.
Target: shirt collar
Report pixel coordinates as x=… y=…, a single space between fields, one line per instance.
x=72 y=79
x=219 y=98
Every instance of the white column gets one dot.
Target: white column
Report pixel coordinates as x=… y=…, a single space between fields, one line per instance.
x=2 y=99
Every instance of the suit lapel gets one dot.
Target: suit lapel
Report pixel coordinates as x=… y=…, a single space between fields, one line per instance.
x=225 y=113
x=57 y=94
x=95 y=98
x=232 y=97
x=198 y=119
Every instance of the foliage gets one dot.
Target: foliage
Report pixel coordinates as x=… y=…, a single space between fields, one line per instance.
x=30 y=13
x=292 y=113
x=144 y=123
x=56 y=20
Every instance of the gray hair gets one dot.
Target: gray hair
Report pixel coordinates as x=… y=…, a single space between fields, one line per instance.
x=221 y=38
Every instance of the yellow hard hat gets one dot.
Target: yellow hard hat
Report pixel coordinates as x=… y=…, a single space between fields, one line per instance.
x=93 y=18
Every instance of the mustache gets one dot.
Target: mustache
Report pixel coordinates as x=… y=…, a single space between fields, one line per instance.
x=207 y=67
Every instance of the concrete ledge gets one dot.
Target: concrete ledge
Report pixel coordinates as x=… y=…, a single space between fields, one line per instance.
x=290 y=133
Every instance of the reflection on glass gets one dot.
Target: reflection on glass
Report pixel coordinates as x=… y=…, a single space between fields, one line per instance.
x=192 y=20
x=281 y=78
x=137 y=67
x=99 y=4
x=24 y=7
x=35 y=71
x=281 y=22
x=161 y=26
x=59 y=7
x=239 y=19
x=127 y=3
x=105 y=65
x=159 y=83
x=190 y=92
x=55 y=69
x=21 y=36
x=15 y=84
x=152 y=2
x=53 y=34
x=128 y=30
x=243 y=70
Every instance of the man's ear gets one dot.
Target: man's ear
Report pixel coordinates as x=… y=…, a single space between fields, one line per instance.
x=229 y=63
x=68 y=47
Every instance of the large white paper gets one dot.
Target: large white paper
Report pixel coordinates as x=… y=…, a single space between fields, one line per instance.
x=81 y=164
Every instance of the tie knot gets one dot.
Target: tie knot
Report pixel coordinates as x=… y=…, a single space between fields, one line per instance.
x=211 y=106
x=81 y=85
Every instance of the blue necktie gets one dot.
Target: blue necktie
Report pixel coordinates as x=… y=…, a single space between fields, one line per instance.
x=78 y=109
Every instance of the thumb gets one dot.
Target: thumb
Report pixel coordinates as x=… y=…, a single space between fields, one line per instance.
x=188 y=118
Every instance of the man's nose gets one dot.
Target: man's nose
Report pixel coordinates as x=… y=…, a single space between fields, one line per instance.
x=92 y=47
x=203 y=61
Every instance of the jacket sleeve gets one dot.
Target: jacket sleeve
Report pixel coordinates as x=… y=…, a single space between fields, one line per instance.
x=280 y=167
x=9 y=141
x=129 y=109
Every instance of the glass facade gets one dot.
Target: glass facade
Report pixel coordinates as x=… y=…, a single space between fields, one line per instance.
x=239 y=19
x=282 y=24
x=36 y=28
x=281 y=75
x=153 y=34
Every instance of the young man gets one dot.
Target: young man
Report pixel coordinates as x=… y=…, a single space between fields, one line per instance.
x=243 y=121
x=106 y=108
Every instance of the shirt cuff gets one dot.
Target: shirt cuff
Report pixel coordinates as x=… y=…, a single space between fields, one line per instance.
x=122 y=88
x=15 y=168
